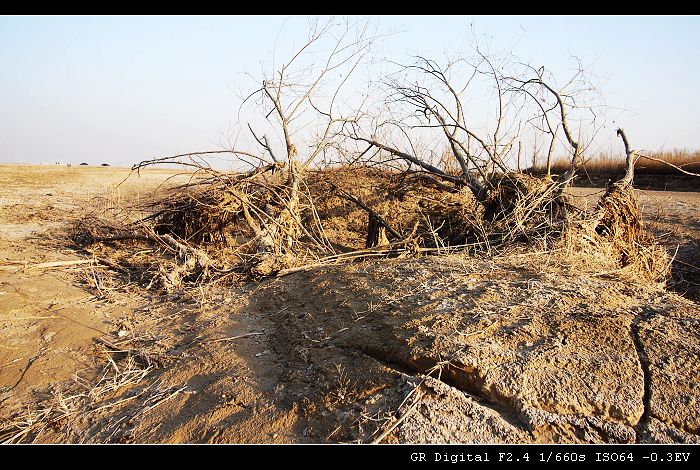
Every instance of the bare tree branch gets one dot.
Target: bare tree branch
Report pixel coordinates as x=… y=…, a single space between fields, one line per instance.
x=629 y=164
x=264 y=143
x=686 y=172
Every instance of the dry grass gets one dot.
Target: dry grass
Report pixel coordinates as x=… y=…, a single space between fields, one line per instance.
x=607 y=164
x=86 y=398
x=42 y=176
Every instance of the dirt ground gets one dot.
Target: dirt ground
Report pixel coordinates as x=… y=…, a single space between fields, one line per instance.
x=434 y=349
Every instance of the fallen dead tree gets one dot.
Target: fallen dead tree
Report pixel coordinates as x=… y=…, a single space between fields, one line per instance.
x=239 y=227
x=291 y=211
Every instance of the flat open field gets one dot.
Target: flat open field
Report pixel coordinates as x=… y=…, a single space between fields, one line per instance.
x=523 y=352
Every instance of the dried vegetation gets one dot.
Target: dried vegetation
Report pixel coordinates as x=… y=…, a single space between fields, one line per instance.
x=239 y=229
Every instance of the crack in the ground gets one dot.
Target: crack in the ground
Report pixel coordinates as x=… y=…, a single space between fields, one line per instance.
x=30 y=363
x=390 y=363
x=24 y=371
x=644 y=365
x=452 y=376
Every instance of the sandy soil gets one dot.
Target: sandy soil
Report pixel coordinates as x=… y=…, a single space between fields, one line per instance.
x=516 y=352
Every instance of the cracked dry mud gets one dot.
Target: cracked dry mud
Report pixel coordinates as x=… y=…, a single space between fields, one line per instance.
x=526 y=356
x=433 y=350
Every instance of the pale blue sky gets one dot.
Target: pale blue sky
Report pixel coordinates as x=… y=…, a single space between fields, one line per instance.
x=125 y=89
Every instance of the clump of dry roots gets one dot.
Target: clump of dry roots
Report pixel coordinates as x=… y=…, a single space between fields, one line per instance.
x=200 y=215
x=259 y=224
x=449 y=220
x=523 y=207
x=613 y=237
x=619 y=220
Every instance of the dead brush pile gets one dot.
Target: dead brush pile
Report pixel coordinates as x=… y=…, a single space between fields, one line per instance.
x=233 y=225
x=250 y=226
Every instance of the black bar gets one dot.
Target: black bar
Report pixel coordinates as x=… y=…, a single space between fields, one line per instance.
x=414 y=456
